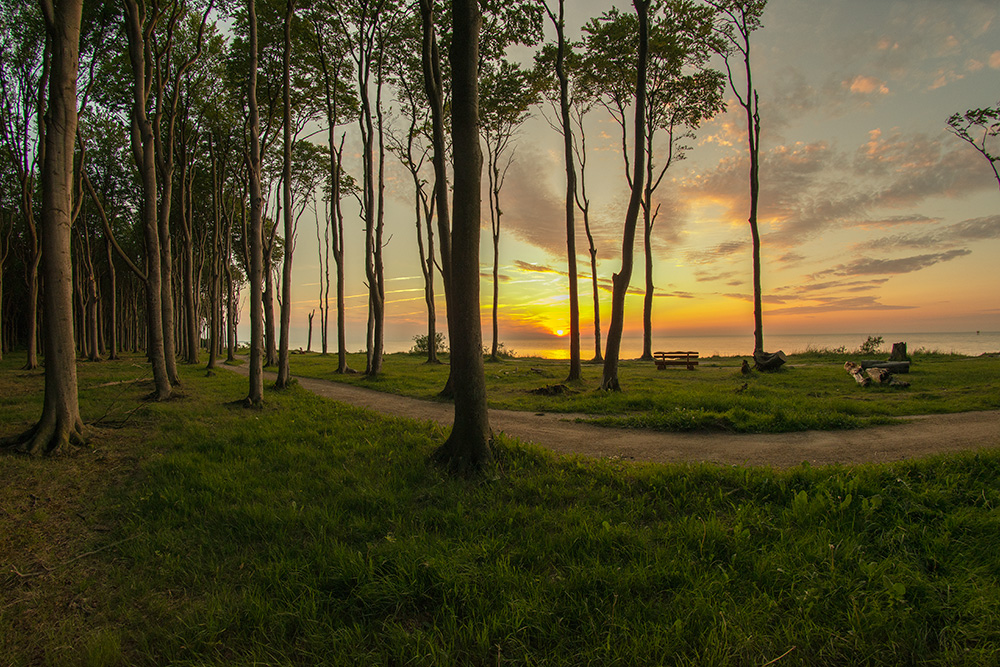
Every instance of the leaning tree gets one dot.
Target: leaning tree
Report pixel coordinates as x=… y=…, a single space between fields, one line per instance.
x=980 y=128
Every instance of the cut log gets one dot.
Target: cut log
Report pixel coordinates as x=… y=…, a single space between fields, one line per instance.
x=855 y=371
x=879 y=375
x=891 y=366
x=766 y=361
x=899 y=352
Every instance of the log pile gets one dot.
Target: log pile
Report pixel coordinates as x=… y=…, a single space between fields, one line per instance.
x=866 y=376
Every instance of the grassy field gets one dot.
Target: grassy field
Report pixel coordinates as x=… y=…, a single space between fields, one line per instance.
x=811 y=392
x=195 y=532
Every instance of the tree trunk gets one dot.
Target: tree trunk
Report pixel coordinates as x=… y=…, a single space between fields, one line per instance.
x=621 y=280
x=256 y=395
x=431 y=60
x=60 y=423
x=467 y=449
x=575 y=368
x=284 y=371
x=647 y=299
x=142 y=146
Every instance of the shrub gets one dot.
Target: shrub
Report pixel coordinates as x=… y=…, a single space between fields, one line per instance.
x=420 y=344
x=873 y=345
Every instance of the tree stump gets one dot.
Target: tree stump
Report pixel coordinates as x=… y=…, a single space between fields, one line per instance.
x=899 y=352
x=765 y=361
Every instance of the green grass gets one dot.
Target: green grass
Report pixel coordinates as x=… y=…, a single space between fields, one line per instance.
x=312 y=533
x=811 y=392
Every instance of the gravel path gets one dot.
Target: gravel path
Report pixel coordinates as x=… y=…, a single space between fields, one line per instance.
x=917 y=437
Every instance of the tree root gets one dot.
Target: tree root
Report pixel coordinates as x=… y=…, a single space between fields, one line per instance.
x=48 y=437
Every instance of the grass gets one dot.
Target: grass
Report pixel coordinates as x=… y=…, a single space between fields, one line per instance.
x=200 y=533
x=811 y=392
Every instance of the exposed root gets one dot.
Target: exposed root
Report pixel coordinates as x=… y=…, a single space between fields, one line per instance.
x=50 y=436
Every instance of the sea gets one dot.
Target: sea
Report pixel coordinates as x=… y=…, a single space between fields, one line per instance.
x=971 y=343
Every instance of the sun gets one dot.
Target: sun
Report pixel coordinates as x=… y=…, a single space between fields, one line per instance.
x=560 y=332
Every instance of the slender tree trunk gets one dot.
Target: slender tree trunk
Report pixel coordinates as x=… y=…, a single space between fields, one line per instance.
x=647 y=246
x=431 y=61
x=621 y=280
x=338 y=258
x=467 y=449
x=256 y=395
x=113 y=305
x=575 y=366
x=284 y=371
x=142 y=144
x=270 y=335
x=60 y=423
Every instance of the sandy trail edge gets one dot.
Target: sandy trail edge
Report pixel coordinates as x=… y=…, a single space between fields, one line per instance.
x=917 y=437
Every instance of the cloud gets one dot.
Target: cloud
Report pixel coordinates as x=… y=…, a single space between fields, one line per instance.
x=837 y=304
x=866 y=85
x=871 y=266
x=949 y=236
x=995 y=60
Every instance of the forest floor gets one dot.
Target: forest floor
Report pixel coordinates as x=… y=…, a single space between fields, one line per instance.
x=914 y=437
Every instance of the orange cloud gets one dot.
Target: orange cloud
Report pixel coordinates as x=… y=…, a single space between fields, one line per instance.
x=995 y=60
x=866 y=85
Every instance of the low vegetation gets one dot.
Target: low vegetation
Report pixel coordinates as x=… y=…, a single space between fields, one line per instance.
x=811 y=392
x=198 y=532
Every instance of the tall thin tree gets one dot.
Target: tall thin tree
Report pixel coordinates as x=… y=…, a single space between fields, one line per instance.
x=621 y=279
x=60 y=424
x=467 y=448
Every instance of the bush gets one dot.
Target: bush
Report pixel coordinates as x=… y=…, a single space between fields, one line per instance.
x=872 y=346
x=420 y=344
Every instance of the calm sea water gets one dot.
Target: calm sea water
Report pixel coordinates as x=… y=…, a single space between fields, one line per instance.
x=970 y=343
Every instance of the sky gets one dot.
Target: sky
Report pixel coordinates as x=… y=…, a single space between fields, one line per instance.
x=873 y=217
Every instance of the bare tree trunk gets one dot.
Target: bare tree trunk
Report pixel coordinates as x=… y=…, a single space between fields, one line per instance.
x=113 y=305
x=284 y=371
x=621 y=280
x=431 y=60
x=575 y=367
x=270 y=335
x=60 y=423
x=647 y=245
x=467 y=449
x=142 y=146
x=256 y=395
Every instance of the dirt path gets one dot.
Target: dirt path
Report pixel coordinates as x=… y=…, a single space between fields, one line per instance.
x=919 y=436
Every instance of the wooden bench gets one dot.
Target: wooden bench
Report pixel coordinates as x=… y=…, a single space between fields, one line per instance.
x=664 y=359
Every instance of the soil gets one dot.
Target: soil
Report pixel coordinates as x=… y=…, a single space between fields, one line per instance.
x=914 y=437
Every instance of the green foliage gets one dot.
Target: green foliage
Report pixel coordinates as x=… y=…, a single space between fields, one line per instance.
x=872 y=345
x=309 y=532
x=420 y=344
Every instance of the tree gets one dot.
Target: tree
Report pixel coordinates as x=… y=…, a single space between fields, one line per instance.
x=467 y=448
x=680 y=94
x=24 y=75
x=60 y=424
x=255 y=241
x=575 y=369
x=430 y=59
x=980 y=128
x=507 y=93
x=620 y=281
x=412 y=145
x=139 y=31
x=284 y=373
x=737 y=19
x=339 y=105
